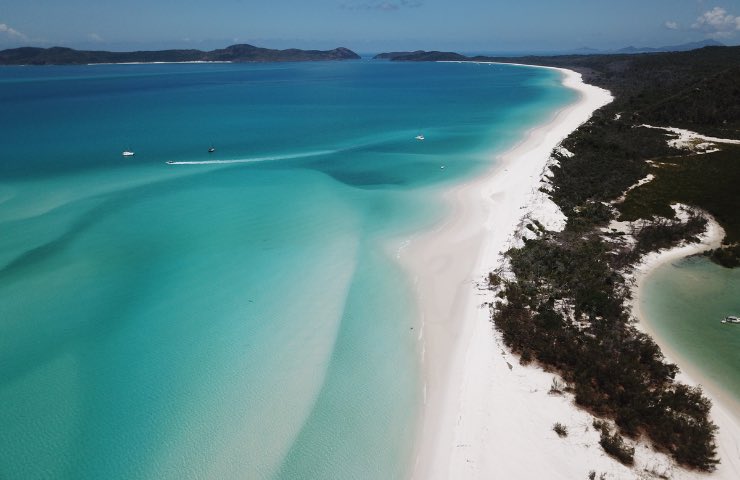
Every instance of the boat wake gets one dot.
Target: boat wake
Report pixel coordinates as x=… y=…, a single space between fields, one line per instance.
x=349 y=148
x=254 y=159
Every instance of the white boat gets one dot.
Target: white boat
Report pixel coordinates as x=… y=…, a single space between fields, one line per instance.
x=128 y=153
x=731 y=319
x=419 y=137
x=170 y=162
x=211 y=150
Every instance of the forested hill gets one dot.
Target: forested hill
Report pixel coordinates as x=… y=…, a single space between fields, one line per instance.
x=234 y=53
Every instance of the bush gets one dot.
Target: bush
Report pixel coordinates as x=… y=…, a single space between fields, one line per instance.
x=600 y=425
x=614 y=446
x=557 y=387
x=728 y=257
x=493 y=280
x=560 y=429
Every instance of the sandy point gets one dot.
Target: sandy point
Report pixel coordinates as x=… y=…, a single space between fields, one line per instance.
x=478 y=418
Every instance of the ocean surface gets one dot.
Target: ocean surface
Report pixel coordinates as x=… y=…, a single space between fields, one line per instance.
x=239 y=314
x=684 y=302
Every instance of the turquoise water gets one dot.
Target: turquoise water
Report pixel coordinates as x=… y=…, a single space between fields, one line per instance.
x=228 y=320
x=684 y=302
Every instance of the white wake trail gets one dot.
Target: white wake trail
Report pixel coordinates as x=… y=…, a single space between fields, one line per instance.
x=255 y=159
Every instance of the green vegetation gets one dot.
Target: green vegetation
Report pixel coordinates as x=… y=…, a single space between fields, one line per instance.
x=710 y=180
x=565 y=310
x=611 y=157
x=614 y=445
x=565 y=306
x=557 y=387
x=592 y=475
x=560 y=429
x=697 y=89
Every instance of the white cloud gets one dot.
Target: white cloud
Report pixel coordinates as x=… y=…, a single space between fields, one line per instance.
x=7 y=31
x=717 y=21
x=94 y=37
x=671 y=25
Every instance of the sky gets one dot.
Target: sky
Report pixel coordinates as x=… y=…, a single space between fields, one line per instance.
x=368 y=25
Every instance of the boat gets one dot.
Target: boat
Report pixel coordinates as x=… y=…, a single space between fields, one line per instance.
x=128 y=153
x=170 y=162
x=211 y=149
x=731 y=319
x=419 y=137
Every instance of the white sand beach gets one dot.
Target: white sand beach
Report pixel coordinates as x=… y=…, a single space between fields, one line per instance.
x=484 y=415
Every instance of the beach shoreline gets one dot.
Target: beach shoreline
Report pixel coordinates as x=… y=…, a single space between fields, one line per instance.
x=459 y=435
x=484 y=415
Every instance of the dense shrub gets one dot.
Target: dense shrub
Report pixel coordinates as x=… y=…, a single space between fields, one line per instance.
x=614 y=445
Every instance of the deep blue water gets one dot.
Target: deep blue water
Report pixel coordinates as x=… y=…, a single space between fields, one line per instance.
x=228 y=320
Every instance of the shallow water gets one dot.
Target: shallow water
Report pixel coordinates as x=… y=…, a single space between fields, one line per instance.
x=684 y=302
x=242 y=314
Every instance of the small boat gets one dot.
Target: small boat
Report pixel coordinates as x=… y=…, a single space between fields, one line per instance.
x=442 y=167
x=419 y=137
x=128 y=153
x=170 y=162
x=211 y=149
x=731 y=319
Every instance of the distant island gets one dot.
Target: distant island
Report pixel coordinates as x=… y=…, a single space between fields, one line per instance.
x=421 y=56
x=234 y=53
